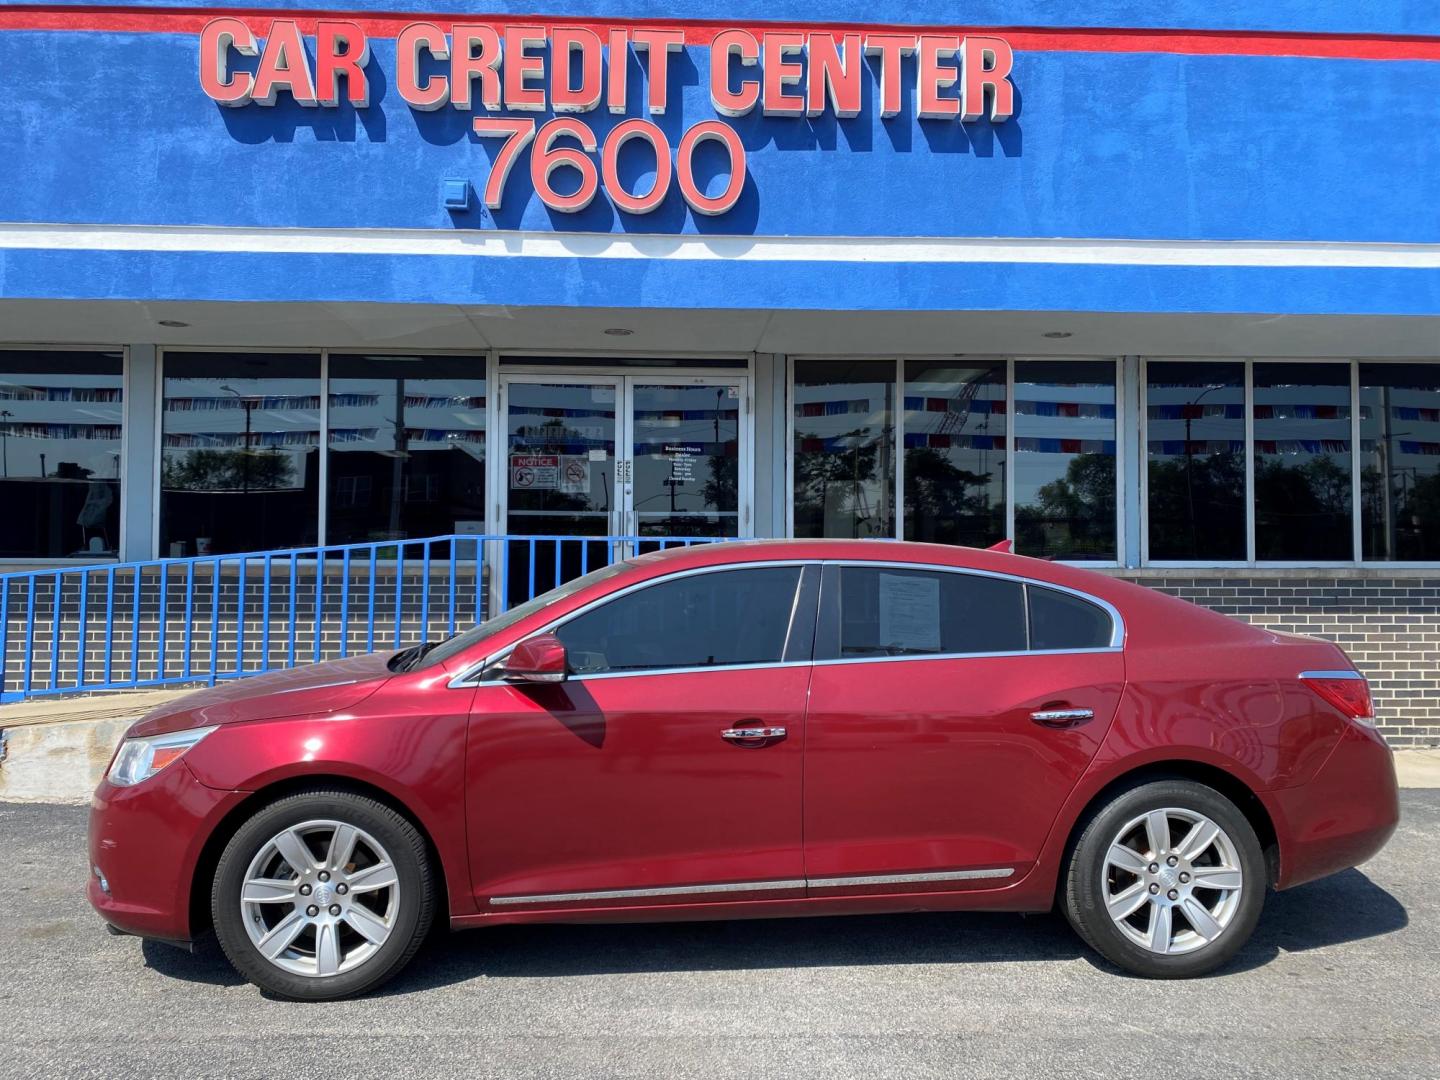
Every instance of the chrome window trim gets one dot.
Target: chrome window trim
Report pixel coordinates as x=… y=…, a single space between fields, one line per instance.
x=1330 y=675
x=862 y=880
x=470 y=677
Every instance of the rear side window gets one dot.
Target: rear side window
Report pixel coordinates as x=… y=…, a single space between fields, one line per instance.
x=700 y=620
x=886 y=611
x=1061 y=621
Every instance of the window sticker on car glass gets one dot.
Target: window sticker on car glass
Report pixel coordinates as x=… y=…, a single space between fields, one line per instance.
x=910 y=612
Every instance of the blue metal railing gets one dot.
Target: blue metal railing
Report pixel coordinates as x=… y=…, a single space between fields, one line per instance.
x=214 y=617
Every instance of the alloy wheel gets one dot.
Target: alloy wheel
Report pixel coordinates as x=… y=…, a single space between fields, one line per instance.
x=320 y=898
x=1173 y=881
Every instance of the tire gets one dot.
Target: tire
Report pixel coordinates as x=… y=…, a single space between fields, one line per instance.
x=1201 y=927
x=332 y=929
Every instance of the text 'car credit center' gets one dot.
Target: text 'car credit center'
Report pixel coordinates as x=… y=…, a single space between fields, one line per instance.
x=1154 y=288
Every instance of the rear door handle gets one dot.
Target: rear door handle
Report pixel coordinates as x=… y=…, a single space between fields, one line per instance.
x=752 y=736
x=1061 y=717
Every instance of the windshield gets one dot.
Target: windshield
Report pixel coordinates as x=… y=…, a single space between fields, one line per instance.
x=460 y=642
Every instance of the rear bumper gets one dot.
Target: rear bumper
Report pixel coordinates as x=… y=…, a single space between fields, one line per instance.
x=146 y=841
x=1342 y=816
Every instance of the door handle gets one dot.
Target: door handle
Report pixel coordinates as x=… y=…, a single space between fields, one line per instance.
x=1061 y=717
x=748 y=736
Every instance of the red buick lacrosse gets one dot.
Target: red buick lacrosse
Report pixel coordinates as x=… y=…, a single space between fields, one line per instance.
x=747 y=730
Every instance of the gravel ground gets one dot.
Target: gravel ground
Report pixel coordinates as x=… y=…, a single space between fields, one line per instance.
x=1341 y=979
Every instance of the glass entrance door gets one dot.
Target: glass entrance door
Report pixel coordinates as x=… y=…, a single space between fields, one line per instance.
x=686 y=444
x=637 y=458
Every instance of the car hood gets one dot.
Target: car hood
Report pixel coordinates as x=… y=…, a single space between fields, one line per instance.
x=329 y=687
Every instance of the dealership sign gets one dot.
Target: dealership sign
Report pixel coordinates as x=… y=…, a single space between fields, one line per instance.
x=490 y=69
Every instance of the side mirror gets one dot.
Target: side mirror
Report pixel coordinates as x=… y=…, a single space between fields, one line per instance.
x=538 y=659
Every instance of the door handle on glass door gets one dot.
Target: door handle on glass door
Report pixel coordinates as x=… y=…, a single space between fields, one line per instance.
x=1061 y=717
x=752 y=736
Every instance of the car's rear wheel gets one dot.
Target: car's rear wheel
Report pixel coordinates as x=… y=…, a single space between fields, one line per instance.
x=1167 y=880
x=322 y=895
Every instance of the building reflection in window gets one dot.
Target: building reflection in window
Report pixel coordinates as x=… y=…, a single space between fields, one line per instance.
x=1195 y=448
x=239 y=452
x=1400 y=461
x=1302 y=462
x=844 y=460
x=407 y=447
x=60 y=426
x=1065 y=498
x=955 y=417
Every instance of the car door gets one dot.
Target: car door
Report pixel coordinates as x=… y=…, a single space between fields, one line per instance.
x=950 y=715
x=630 y=784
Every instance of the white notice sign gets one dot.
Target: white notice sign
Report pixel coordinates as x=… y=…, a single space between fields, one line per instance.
x=910 y=612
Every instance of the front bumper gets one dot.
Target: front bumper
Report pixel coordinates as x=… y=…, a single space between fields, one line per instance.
x=1343 y=815
x=146 y=841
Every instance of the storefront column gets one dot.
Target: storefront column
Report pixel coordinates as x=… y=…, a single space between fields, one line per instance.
x=768 y=389
x=1128 y=430
x=137 y=497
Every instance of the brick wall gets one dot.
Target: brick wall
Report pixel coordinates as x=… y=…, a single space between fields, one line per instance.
x=1389 y=624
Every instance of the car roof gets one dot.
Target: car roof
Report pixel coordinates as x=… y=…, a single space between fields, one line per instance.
x=1141 y=608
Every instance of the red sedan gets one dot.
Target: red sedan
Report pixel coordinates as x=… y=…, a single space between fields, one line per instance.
x=755 y=729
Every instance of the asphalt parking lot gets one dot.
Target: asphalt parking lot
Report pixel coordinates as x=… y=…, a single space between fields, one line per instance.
x=1342 y=978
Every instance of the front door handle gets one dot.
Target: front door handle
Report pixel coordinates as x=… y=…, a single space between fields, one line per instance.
x=1061 y=717
x=753 y=736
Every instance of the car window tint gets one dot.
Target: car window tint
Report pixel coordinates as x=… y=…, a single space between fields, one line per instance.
x=893 y=612
x=701 y=620
x=1061 y=621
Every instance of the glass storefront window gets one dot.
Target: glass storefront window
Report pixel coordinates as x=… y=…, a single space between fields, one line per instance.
x=1195 y=451
x=406 y=446
x=1065 y=480
x=60 y=464
x=1400 y=461
x=954 y=424
x=844 y=448
x=240 y=461
x=1302 y=462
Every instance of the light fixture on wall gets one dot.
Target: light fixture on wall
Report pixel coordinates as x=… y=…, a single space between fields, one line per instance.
x=619 y=331
x=172 y=322
x=1058 y=335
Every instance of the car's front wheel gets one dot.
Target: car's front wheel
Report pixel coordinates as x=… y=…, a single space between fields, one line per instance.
x=322 y=895
x=1167 y=880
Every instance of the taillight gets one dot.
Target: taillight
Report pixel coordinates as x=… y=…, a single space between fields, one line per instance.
x=1346 y=690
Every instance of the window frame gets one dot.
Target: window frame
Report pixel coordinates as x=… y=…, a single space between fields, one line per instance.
x=1122 y=464
x=127 y=423
x=1250 y=562
x=807 y=588
x=827 y=631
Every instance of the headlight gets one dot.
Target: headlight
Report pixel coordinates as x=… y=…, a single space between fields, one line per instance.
x=140 y=759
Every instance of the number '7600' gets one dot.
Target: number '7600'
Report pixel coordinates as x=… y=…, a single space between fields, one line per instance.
x=546 y=158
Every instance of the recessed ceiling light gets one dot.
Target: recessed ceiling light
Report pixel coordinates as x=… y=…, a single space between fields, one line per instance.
x=173 y=322
x=1058 y=334
x=619 y=331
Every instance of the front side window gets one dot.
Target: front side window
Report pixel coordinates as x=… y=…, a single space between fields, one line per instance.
x=890 y=611
x=407 y=447
x=700 y=620
x=240 y=457
x=60 y=417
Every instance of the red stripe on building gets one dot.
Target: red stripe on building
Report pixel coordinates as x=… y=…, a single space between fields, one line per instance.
x=701 y=32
